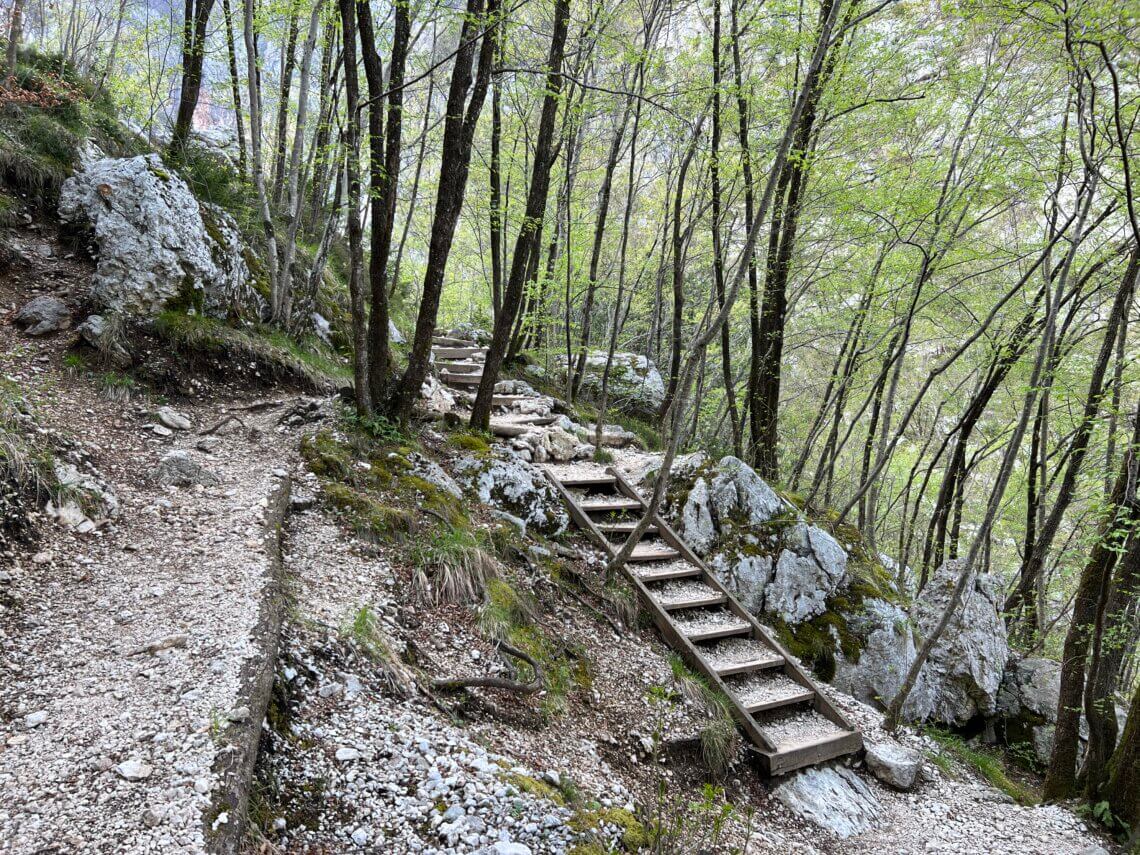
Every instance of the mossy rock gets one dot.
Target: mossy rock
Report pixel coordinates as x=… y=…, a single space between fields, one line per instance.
x=534 y=787
x=634 y=835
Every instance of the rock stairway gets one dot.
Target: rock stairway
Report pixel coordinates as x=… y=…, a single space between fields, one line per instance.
x=788 y=720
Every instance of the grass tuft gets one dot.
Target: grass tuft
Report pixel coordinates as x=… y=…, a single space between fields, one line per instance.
x=453 y=567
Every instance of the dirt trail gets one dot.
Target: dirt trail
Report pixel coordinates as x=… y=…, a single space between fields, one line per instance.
x=122 y=650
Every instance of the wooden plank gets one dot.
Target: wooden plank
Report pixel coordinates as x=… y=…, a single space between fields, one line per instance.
x=605 y=506
x=817 y=751
x=695 y=603
x=457 y=352
x=446 y=341
x=793 y=669
x=726 y=631
x=462 y=367
x=621 y=527
x=775 y=661
x=783 y=701
x=587 y=481
x=646 y=574
x=652 y=553
x=461 y=379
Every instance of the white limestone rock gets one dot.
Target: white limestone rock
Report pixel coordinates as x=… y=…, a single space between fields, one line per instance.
x=834 y=798
x=966 y=665
x=811 y=568
x=895 y=765
x=511 y=484
x=156 y=242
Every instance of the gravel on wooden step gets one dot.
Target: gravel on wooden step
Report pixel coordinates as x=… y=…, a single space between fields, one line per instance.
x=700 y=621
x=787 y=730
x=729 y=652
x=763 y=687
x=578 y=471
x=647 y=572
x=682 y=591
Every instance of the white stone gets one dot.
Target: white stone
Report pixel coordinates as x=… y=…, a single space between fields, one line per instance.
x=894 y=764
x=134 y=770
x=833 y=798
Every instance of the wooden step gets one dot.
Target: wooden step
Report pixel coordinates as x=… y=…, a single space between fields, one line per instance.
x=803 y=737
x=461 y=379
x=622 y=528
x=509 y=400
x=706 y=626
x=462 y=367
x=767 y=690
x=650 y=552
x=457 y=352
x=685 y=594
x=606 y=504
x=663 y=571
x=446 y=341
x=739 y=656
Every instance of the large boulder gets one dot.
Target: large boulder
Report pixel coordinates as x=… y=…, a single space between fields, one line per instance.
x=834 y=798
x=515 y=486
x=811 y=568
x=1027 y=704
x=156 y=244
x=635 y=385
x=887 y=654
x=966 y=665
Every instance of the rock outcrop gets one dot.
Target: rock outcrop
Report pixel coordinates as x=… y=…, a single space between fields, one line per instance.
x=810 y=569
x=511 y=484
x=156 y=244
x=1027 y=704
x=635 y=385
x=832 y=797
x=966 y=665
x=888 y=651
x=180 y=469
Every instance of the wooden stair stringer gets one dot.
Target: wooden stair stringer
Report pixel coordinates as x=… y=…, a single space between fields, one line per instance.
x=773 y=760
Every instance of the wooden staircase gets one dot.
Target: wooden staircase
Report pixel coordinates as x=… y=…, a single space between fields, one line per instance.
x=787 y=719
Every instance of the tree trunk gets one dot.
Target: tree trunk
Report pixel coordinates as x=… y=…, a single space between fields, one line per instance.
x=526 y=245
x=355 y=230
x=1115 y=536
x=455 y=159
x=384 y=175
x=197 y=14
x=15 y=31
x=289 y=59
x=253 y=77
x=1123 y=788
x=235 y=88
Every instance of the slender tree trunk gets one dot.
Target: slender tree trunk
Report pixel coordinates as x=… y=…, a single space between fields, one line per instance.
x=455 y=159
x=256 y=166
x=526 y=245
x=355 y=230
x=197 y=15
x=718 y=248
x=284 y=308
x=289 y=60
x=1123 y=788
x=235 y=87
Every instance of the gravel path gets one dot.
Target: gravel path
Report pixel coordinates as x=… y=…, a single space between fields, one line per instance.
x=122 y=652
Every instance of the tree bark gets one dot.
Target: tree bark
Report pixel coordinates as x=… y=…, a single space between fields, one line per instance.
x=197 y=15
x=461 y=117
x=527 y=242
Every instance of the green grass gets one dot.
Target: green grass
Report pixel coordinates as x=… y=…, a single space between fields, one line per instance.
x=277 y=352
x=986 y=763
x=453 y=566
x=44 y=122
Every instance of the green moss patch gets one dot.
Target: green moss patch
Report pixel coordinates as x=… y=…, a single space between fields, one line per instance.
x=634 y=835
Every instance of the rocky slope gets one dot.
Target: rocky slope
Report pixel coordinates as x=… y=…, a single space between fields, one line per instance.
x=138 y=645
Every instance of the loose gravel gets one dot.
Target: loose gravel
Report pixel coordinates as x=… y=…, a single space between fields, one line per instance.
x=727 y=652
x=763 y=687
